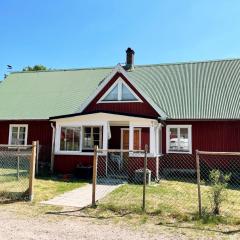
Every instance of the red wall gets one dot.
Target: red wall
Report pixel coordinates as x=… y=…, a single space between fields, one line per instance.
x=68 y=163
x=141 y=109
x=206 y=136
x=37 y=130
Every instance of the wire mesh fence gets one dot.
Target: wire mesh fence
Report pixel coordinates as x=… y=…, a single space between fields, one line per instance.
x=168 y=186
x=219 y=183
x=120 y=179
x=16 y=170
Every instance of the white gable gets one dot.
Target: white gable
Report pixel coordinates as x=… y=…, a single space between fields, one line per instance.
x=119 y=92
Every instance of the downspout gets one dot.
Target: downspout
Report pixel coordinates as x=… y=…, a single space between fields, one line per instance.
x=53 y=146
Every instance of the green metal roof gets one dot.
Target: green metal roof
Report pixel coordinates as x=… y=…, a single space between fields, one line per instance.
x=196 y=90
x=40 y=95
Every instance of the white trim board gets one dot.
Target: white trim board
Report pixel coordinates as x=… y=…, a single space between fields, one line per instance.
x=120 y=69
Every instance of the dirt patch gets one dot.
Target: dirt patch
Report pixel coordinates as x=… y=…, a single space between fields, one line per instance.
x=46 y=228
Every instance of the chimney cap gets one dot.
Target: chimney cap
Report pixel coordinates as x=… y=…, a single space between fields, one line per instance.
x=130 y=50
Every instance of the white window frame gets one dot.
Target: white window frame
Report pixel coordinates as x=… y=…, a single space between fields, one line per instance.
x=189 y=127
x=100 y=136
x=69 y=127
x=18 y=126
x=119 y=82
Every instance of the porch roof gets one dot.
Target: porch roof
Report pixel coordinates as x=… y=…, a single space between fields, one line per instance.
x=101 y=117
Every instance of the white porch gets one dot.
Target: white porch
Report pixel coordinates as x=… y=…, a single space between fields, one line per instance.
x=104 y=121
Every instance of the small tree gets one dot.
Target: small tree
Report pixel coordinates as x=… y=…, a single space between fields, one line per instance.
x=38 y=67
x=219 y=183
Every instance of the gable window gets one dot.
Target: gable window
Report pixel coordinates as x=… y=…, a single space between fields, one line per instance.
x=70 y=139
x=18 y=134
x=120 y=92
x=92 y=136
x=179 y=139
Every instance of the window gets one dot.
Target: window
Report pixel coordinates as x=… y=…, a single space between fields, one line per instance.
x=92 y=136
x=70 y=139
x=179 y=139
x=120 y=92
x=18 y=135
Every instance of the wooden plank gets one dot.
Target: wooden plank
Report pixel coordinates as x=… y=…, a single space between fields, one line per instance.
x=219 y=153
x=32 y=170
x=120 y=150
x=94 y=177
x=198 y=184
x=145 y=178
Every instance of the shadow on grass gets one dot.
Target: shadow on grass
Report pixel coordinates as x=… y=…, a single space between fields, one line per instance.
x=56 y=178
x=13 y=197
x=206 y=220
x=230 y=232
x=80 y=213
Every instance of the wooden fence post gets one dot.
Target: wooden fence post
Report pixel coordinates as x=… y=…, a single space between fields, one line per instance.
x=18 y=162
x=32 y=170
x=37 y=156
x=198 y=184
x=94 y=177
x=144 y=178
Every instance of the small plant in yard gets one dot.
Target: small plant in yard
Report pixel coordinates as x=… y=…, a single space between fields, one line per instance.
x=218 y=183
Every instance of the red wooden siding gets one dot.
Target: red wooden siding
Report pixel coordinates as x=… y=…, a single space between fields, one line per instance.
x=206 y=136
x=37 y=130
x=68 y=163
x=141 y=109
x=145 y=138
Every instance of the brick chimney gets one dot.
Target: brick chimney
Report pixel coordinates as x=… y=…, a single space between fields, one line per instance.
x=129 y=59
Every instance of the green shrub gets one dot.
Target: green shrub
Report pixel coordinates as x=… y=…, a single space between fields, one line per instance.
x=218 y=183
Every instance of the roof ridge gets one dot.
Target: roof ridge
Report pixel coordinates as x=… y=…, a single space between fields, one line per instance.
x=64 y=69
x=188 y=62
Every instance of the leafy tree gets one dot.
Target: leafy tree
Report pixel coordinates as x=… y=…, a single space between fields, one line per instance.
x=219 y=183
x=35 y=68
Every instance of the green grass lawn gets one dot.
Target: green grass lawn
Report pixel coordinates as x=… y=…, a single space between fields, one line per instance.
x=169 y=202
x=44 y=189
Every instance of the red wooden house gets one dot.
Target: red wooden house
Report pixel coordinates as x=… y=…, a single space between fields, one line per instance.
x=173 y=108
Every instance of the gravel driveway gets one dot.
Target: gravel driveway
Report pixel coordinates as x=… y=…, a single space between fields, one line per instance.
x=45 y=228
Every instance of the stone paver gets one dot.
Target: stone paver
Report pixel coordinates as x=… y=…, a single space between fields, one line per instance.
x=82 y=197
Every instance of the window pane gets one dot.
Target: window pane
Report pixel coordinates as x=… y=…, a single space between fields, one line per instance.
x=87 y=137
x=70 y=139
x=15 y=129
x=173 y=141
x=22 y=129
x=184 y=143
x=91 y=137
x=14 y=140
x=113 y=95
x=127 y=95
x=63 y=139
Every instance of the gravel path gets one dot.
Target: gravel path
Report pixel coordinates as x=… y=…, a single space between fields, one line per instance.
x=44 y=228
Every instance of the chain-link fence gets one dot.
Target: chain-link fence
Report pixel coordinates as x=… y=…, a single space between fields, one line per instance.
x=119 y=178
x=219 y=183
x=171 y=184
x=16 y=172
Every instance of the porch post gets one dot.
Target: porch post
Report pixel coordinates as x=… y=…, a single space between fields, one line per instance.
x=130 y=136
x=152 y=139
x=105 y=135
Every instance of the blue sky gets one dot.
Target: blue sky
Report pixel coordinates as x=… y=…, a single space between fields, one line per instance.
x=75 y=33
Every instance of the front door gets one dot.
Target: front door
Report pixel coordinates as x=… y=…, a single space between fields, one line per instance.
x=136 y=139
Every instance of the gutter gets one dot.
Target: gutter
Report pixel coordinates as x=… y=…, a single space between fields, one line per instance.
x=53 y=146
